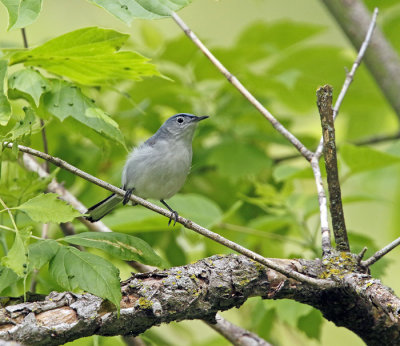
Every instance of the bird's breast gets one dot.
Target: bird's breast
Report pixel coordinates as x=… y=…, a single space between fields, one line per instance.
x=158 y=171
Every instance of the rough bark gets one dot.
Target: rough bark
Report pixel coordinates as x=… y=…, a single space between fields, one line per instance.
x=198 y=291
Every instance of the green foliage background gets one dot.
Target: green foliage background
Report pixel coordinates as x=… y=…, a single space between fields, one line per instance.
x=282 y=53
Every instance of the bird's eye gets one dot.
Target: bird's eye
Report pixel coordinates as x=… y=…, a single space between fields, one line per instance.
x=180 y=120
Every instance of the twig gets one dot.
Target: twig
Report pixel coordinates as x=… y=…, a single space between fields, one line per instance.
x=370 y=140
x=240 y=87
x=185 y=222
x=379 y=254
x=324 y=102
x=236 y=335
x=42 y=124
x=323 y=209
x=350 y=76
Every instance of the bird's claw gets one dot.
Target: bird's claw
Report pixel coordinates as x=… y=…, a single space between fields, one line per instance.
x=127 y=196
x=174 y=215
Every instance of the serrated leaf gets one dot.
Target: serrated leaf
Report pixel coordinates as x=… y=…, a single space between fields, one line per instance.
x=122 y=246
x=29 y=82
x=127 y=10
x=72 y=268
x=48 y=207
x=88 y=56
x=67 y=100
x=5 y=107
x=21 y=13
x=42 y=252
x=7 y=277
x=311 y=324
x=362 y=159
x=17 y=257
x=24 y=127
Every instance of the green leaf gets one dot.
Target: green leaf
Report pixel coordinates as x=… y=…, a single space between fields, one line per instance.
x=24 y=127
x=17 y=257
x=127 y=10
x=30 y=83
x=88 y=56
x=48 y=208
x=362 y=159
x=42 y=252
x=5 y=107
x=237 y=160
x=122 y=246
x=72 y=268
x=311 y=324
x=7 y=277
x=21 y=13
x=67 y=100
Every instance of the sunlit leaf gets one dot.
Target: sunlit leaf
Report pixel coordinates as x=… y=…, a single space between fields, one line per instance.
x=48 y=208
x=88 y=56
x=29 y=82
x=72 y=268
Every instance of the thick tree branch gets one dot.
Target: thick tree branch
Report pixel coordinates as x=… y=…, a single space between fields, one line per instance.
x=185 y=222
x=199 y=291
x=379 y=254
x=242 y=89
x=381 y=59
x=324 y=102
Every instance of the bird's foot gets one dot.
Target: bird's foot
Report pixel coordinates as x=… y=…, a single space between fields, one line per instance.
x=174 y=216
x=127 y=196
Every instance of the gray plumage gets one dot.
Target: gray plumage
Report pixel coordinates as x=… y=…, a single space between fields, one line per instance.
x=156 y=169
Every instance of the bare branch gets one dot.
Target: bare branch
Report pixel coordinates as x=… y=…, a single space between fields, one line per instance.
x=241 y=88
x=379 y=254
x=323 y=209
x=350 y=75
x=185 y=222
x=381 y=59
x=324 y=102
x=236 y=335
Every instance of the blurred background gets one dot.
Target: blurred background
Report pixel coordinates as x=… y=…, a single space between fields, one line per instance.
x=242 y=185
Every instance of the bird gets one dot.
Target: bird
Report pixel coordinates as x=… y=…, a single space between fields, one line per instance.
x=156 y=169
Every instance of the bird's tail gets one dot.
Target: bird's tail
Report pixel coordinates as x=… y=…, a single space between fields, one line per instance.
x=96 y=212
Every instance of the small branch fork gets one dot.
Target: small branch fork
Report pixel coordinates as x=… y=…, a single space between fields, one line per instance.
x=185 y=222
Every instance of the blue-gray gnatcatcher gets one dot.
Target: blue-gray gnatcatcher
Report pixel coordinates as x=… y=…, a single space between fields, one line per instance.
x=156 y=169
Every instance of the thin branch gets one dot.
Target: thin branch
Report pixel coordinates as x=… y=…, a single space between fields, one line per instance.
x=185 y=222
x=236 y=335
x=42 y=124
x=366 y=141
x=323 y=209
x=350 y=76
x=324 y=102
x=379 y=254
x=240 y=87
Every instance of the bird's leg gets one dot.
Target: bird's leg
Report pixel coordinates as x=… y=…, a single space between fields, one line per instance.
x=127 y=196
x=174 y=214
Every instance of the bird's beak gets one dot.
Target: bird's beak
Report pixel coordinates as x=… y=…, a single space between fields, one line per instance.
x=201 y=118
